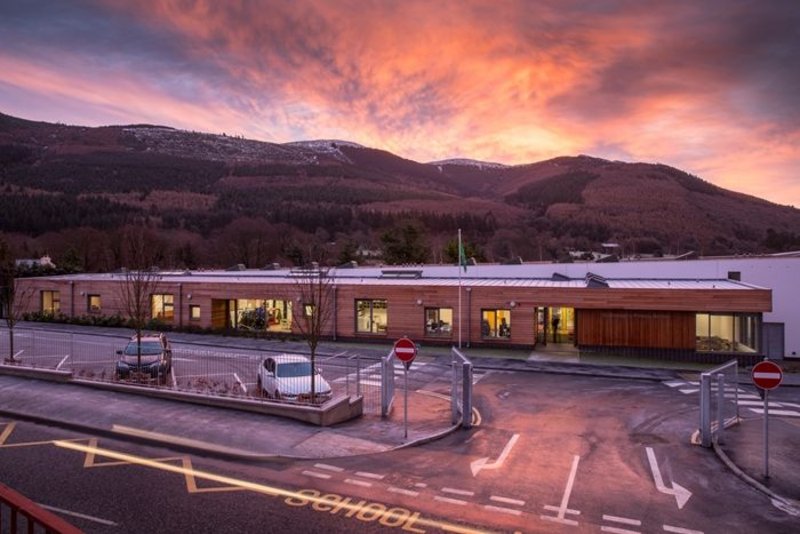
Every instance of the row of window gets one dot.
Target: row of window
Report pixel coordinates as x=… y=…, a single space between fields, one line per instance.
x=735 y=332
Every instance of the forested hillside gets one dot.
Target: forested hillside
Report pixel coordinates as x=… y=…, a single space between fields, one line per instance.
x=214 y=201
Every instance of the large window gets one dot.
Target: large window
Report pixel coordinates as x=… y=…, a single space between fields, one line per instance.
x=93 y=304
x=438 y=321
x=371 y=316
x=496 y=324
x=274 y=315
x=163 y=306
x=51 y=302
x=727 y=332
x=194 y=312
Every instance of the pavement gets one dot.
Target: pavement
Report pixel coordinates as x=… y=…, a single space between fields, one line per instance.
x=255 y=437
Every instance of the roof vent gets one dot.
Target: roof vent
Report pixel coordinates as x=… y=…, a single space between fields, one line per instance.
x=237 y=267
x=595 y=280
x=398 y=273
x=272 y=267
x=558 y=277
x=349 y=265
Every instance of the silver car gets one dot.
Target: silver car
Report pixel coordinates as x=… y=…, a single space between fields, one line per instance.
x=288 y=376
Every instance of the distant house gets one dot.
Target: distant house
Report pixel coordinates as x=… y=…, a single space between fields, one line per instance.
x=30 y=263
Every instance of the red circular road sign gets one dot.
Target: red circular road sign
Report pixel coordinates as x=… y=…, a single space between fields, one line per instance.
x=767 y=375
x=405 y=350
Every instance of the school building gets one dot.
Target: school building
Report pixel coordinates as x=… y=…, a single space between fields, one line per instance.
x=701 y=310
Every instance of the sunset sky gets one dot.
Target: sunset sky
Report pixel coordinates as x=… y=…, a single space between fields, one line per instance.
x=708 y=86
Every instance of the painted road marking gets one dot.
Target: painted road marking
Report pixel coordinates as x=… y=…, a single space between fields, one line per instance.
x=482 y=463
x=330 y=503
x=420 y=485
x=365 y=474
x=563 y=510
x=355 y=482
x=316 y=475
x=506 y=500
x=785 y=413
x=680 y=530
x=623 y=520
x=617 y=530
x=239 y=381
x=328 y=467
x=689 y=391
x=449 y=500
x=458 y=492
x=558 y=508
x=501 y=509
x=401 y=491
x=681 y=494
x=760 y=403
x=76 y=514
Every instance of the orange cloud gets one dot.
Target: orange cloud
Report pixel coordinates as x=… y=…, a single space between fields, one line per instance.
x=511 y=81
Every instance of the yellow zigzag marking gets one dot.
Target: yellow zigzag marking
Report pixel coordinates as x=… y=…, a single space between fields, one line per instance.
x=9 y=428
x=90 y=460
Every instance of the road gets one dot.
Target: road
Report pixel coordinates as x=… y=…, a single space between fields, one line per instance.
x=551 y=453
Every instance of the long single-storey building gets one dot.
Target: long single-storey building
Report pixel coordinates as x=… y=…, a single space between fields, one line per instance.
x=703 y=310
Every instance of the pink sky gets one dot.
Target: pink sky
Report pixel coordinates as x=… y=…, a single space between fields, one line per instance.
x=710 y=87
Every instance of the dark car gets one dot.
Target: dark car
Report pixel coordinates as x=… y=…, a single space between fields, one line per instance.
x=155 y=361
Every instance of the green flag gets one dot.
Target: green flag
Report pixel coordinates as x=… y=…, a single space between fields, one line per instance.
x=462 y=257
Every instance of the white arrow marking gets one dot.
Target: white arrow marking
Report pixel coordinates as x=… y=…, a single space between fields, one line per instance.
x=681 y=494
x=480 y=464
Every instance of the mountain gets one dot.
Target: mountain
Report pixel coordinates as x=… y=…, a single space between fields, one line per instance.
x=217 y=199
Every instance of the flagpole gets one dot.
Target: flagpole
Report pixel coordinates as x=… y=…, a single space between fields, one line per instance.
x=459 y=287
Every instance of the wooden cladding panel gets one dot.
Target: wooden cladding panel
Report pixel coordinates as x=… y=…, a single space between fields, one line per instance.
x=641 y=329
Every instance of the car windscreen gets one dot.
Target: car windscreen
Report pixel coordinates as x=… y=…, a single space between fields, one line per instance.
x=292 y=369
x=149 y=348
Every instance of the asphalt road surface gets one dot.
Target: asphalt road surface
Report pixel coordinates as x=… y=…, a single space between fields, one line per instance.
x=551 y=453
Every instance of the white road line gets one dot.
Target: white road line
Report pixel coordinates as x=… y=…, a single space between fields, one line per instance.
x=506 y=500
x=449 y=500
x=688 y=391
x=558 y=509
x=745 y=396
x=760 y=403
x=328 y=467
x=420 y=485
x=501 y=509
x=316 y=475
x=675 y=383
x=563 y=510
x=365 y=474
x=617 y=530
x=239 y=380
x=370 y=382
x=679 y=530
x=355 y=482
x=785 y=413
x=76 y=514
x=623 y=520
x=401 y=491
x=458 y=492
x=791 y=404
x=62 y=362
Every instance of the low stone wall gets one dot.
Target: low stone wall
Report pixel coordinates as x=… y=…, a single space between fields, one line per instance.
x=334 y=411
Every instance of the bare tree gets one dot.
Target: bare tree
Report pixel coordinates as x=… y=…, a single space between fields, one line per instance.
x=315 y=286
x=138 y=284
x=12 y=297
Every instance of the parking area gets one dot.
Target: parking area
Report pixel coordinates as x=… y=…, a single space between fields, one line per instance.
x=206 y=369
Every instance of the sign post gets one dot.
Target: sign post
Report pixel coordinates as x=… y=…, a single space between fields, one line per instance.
x=767 y=375
x=405 y=350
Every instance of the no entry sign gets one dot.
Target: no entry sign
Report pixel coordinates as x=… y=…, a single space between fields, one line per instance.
x=767 y=375
x=405 y=350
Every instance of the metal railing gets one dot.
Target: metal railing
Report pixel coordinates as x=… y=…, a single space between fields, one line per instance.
x=719 y=401
x=461 y=389
x=206 y=370
x=387 y=383
x=18 y=514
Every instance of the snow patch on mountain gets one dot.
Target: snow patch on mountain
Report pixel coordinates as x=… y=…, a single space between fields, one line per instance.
x=464 y=162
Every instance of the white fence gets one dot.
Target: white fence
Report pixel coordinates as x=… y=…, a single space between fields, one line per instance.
x=719 y=401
